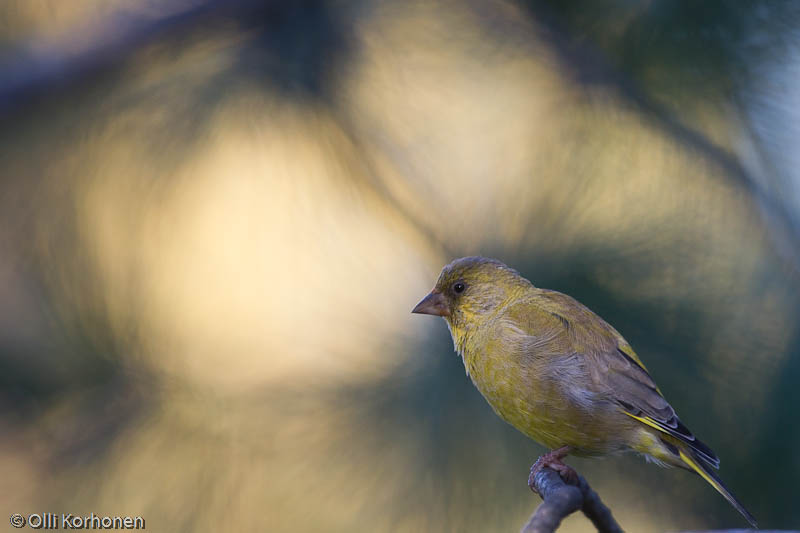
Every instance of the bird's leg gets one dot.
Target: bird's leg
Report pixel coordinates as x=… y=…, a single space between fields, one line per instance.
x=552 y=459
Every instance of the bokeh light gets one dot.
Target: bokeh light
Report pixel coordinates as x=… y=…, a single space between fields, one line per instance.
x=216 y=218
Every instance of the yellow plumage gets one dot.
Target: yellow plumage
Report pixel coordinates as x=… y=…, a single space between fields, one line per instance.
x=558 y=372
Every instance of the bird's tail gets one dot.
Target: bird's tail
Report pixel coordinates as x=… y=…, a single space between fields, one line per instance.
x=706 y=471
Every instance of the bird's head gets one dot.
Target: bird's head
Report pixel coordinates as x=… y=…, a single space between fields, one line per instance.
x=469 y=289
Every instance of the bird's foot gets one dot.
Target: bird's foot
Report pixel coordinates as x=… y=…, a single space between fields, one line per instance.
x=553 y=461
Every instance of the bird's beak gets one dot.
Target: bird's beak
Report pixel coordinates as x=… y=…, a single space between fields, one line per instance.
x=433 y=304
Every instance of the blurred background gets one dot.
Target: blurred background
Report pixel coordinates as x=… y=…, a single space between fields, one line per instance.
x=215 y=218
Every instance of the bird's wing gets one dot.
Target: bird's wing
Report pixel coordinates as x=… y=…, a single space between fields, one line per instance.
x=618 y=373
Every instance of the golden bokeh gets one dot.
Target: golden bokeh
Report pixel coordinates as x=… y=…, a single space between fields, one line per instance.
x=204 y=307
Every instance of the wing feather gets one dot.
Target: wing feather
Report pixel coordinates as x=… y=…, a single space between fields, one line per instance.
x=618 y=373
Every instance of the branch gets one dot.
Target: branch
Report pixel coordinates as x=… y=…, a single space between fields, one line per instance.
x=560 y=500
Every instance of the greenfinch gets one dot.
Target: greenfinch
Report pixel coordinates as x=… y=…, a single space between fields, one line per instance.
x=559 y=373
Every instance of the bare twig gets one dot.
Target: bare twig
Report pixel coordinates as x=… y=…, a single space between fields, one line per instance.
x=561 y=499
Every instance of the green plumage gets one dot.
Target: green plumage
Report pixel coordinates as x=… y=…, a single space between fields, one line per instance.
x=558 y=372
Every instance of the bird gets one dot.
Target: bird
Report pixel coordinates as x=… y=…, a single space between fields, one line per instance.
x=559 y=373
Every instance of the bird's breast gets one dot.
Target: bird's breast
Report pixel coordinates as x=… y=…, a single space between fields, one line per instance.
x=539 y=394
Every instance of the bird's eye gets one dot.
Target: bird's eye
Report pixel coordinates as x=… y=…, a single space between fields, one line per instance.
x=459 y=287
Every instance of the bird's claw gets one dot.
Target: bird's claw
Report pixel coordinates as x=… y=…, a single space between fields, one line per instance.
x=553 y=461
